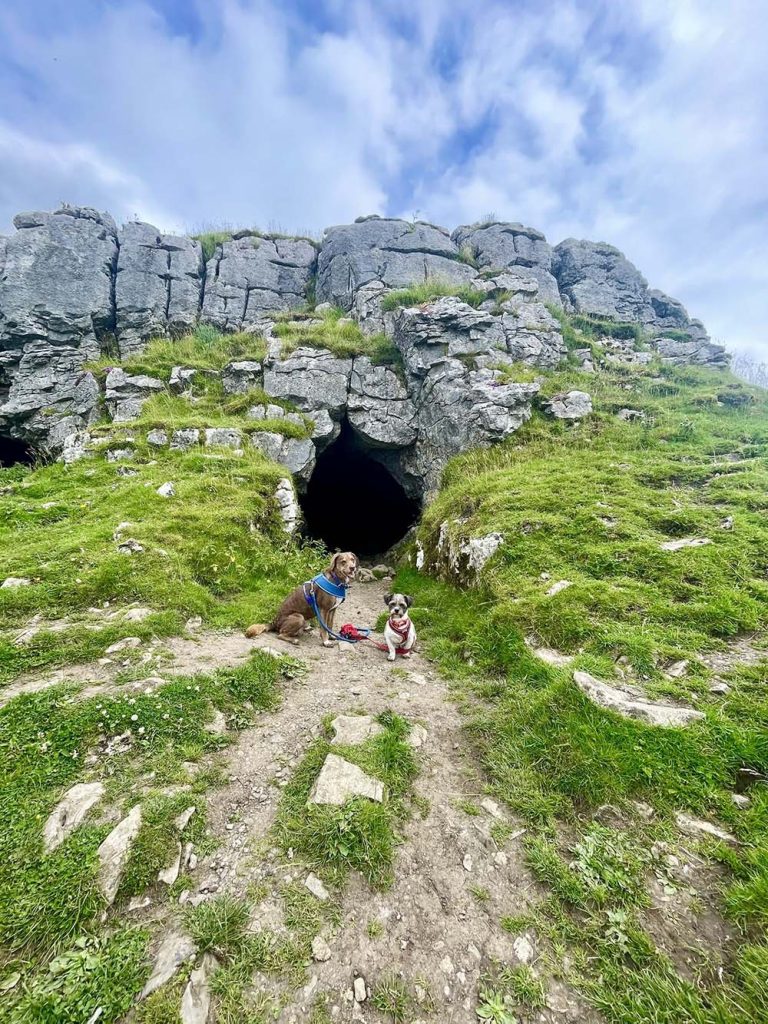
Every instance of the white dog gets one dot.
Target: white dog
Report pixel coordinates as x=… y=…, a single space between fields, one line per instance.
x=399 y=632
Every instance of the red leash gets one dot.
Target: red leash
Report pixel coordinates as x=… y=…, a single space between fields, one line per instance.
x=351 y=633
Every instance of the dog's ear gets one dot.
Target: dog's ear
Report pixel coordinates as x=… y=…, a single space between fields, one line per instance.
x=408 y=600
x=334 y=560
x=387 y=599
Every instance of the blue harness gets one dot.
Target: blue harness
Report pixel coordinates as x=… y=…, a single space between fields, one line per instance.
x=338 y=590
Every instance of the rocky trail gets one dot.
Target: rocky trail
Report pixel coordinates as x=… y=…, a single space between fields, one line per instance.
x=437 y=928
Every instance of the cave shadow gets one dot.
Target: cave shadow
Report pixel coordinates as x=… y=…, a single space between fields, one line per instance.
x=353 y=502
x=15 y=453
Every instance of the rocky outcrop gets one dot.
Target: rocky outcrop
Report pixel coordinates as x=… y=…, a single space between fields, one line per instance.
x=159 y=285
x=251 y=276
x=56 y=281
x=495 y=245
x=598 y=279
x=385 y=253
x=73 y=287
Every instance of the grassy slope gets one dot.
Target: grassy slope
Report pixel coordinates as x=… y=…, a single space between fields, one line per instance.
x=592 y=503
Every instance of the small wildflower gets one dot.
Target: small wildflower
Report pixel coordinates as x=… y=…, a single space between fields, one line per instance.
x=134 y=718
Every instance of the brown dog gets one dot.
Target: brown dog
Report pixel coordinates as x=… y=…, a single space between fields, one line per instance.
x=295 y=612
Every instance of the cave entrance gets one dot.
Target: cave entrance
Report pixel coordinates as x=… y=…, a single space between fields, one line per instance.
x=353 y=502
x=14 y=452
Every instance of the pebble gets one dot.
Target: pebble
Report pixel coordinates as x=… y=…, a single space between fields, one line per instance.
x=467 y=862
x=316 y=887
x=321 y=951
x=361 y=993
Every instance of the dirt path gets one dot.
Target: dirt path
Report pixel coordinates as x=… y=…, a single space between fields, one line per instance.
x=431 y=927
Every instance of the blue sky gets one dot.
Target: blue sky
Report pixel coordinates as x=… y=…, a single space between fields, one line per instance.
x=641 y=123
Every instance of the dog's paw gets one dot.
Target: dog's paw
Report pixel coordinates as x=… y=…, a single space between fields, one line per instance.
x=390 y=657
x=327 y=643
x=407 y=654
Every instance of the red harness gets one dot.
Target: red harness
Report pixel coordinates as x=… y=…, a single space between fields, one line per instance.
x=401 y=627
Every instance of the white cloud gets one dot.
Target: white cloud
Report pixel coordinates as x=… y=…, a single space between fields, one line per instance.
x=642 y=124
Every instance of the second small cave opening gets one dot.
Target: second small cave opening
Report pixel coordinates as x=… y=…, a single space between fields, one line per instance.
x=14 y=452
x=353 y=502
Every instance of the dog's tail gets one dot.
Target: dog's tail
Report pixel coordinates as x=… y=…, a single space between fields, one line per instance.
x=258 y=628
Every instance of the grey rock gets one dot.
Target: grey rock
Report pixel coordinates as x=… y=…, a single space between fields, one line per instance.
x=379 y=407
x=700 y=829
x=128 y=643
x=158 y=285
x=361 y=993
x=288 y=506
x=532 y=334
x=239 y=377
x=321 y=951
x=339 y=780
x=684 y=542
x=251 y=277
x=573 y=405
x=498 y=245
x=316 y=887
x=218 y=724
x=311 y=379
x=418 y=736
x=296 y=454
x=446 y=328
x=175 y=949
x=157 y=438
x=69 y=812
x=119 y=454
x=552 y=657
x=196 y=1001
x=166 y=490
x=11 y=582
x=630 y=706
x=697 y=352
x=170 y=872
x=223 y=437
x=353 y=729
x=394 y=253
x=55 y=312
x=630 y=415
x=184 y=439
x=181 y=379
x=126 y=394
x=114 y=852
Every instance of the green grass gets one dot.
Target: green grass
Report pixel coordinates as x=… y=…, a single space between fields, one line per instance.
x=392 y=998
x=337 y=333
x=215 y=550
x=46 y=899
x=219 y=925
x=592 y=503
x=210 y=240
x=418 y=294
x=203 y=349
x=361 y=835
x=93 y=972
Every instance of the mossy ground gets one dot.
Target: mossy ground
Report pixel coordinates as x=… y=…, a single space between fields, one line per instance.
x=592 y=503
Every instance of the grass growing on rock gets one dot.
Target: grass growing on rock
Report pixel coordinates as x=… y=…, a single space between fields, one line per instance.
x=592 y=503
x=336 y=332
x=360 y=835
x=204 y=349
x=418 y=294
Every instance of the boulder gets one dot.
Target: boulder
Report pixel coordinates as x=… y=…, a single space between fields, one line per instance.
x=252 y=276
x=157 y=438
x=185 y=438
x=339 y=781
x=310 y=378
x=573 y=405
x=158 y=285
x=174 y=950
x=196 y=1001
x=699 y=352
x=296 y=454
x=532 y=335
x=354 y=728
x=388 y=252
x=378 y=406
x=446 y=328
x=126 y=393
x=497 y=245
x=288 y=507
x=631 y=706
x=114 y=852
x=70 y=811
x=239 y=377
x=223 y=437
x=181 y=379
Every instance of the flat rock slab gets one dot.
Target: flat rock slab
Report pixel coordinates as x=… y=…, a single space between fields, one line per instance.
x=700 y=828
x=551 y=657
x=633 y=707
x=70 y=812
x=685 y=542
x=339 y=781
x=354 y=728
x=196 y=1001
x=173 y=951
x=114 y=852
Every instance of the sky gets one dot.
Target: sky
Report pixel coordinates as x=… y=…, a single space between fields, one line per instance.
x=642 y=123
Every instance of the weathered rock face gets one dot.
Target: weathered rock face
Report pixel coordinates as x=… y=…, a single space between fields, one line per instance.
x=497 y=245
x=597 y=278
x=251 y=276
x=72 y=286
x=56 y=277
x=389 y=253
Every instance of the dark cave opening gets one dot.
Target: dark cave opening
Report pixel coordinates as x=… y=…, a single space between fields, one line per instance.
x=14 y=452
x=353 y=502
